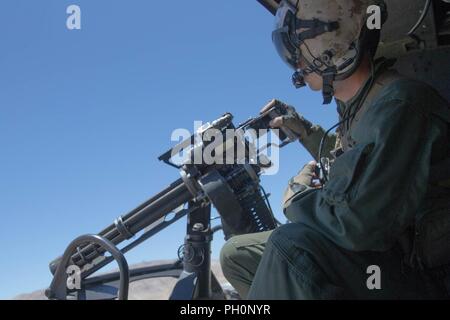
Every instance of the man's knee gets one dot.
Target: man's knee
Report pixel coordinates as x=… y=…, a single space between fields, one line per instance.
x=243 y=253
x=228 y=256
x=299 y=237
x=292 y=266
x=240 y=257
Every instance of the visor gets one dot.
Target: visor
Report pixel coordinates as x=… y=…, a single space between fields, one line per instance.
x=284 y=37
x=287 y=37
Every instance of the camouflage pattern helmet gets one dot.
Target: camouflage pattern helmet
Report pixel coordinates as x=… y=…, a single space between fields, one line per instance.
x=325 y=34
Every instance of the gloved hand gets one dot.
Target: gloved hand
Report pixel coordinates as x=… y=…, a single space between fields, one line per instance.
x=305 y=180
x=292 y=120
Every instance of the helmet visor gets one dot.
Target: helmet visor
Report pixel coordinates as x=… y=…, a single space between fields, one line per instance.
x=283 y=37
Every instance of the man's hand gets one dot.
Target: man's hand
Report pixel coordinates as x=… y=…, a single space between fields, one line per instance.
x=292 y=120
x=305 y=180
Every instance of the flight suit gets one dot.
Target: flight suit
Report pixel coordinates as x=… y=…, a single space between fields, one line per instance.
x=385 y=205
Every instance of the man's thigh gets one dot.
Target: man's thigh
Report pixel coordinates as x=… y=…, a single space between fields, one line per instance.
x=299 y=263
x=240 y=257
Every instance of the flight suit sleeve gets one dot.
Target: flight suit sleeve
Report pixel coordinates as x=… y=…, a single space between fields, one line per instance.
x=375 y=189
x=311 y=142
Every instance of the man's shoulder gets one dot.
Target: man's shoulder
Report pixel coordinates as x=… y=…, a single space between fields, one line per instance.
x=411 y=93
x=407 y=89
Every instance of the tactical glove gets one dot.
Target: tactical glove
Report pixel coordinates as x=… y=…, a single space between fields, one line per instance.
x=292 y=120
x=304 y=181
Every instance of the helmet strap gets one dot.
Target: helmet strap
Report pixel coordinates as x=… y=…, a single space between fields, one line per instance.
x=328 y=89
x=314 y=28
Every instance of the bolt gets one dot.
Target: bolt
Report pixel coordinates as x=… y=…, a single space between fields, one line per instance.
x=198 y=227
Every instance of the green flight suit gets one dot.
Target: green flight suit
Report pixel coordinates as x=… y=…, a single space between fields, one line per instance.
x=379 y=195
x=312 y=141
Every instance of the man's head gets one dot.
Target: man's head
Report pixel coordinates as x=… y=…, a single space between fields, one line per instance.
x=325 y=40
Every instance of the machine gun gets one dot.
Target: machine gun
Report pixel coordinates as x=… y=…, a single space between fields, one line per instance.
x=232 y=188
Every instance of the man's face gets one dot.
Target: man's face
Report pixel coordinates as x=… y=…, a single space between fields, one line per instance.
x=314 y=81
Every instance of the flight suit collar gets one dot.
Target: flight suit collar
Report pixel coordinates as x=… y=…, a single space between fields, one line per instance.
x=380 y=65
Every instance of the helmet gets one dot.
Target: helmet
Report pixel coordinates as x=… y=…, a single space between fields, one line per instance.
x=329 y=36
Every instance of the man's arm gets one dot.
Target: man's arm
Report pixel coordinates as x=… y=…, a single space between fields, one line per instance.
x=311 y=142
x=376 y=188
x=309 y=135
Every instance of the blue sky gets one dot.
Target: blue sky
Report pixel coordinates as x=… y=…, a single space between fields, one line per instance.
x=84 y=114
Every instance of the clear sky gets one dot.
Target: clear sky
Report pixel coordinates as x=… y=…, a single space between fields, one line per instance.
x=84 y=114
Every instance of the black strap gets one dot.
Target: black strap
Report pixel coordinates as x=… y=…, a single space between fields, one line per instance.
x=315 y=28
x=328 y=89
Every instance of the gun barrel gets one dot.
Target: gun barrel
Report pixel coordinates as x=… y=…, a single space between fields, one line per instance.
x=135 y=221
